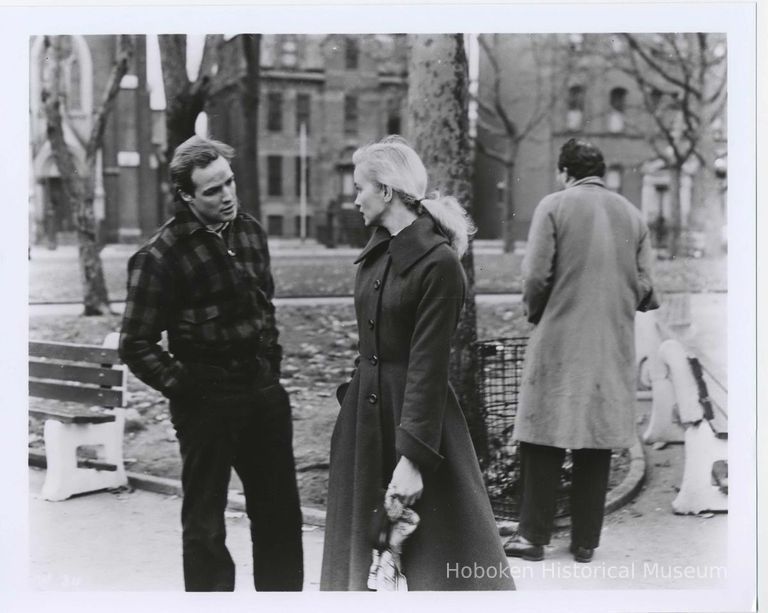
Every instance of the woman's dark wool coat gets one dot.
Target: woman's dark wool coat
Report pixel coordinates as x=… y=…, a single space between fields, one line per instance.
x=409 y=292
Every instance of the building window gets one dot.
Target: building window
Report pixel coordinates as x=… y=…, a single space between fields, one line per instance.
x=618 y=100
x=613 y=178
x=288 y=53
x=275 y=111
x=575 y=116
x=347 y=184
x=303 y=111
x=275 y=225
x=350 y=115
x=274 y=175
x=307 y=175
x=71 y=78
x=351 y=54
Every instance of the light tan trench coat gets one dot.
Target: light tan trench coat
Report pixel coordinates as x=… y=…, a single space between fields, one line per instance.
x=586 y=271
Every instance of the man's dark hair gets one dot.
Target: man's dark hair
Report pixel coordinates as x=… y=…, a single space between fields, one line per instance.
x=582 y=159
x=195 y=152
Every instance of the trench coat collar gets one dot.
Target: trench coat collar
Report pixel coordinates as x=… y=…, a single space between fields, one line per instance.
x=408 y=246
x=587 y=181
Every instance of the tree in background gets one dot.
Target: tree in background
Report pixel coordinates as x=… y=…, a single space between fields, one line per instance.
x=682 y=79
x=439 y=126
x=186 y=99
x=249 y=96
x=78 y=190
x=497 y=117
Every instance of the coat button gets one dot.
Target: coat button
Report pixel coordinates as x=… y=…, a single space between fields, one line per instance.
x=372 y=398
x=376 y=284
x=374 y=359
x=371 y=324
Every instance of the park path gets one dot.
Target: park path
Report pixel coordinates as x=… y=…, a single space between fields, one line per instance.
x=131 y=541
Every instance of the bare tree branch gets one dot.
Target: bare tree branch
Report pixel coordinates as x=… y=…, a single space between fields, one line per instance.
x=110 y=93
x=660 y=70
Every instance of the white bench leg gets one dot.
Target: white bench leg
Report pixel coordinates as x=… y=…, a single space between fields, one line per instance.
x=61 y=459
x=113 y=448
x=697 y=494
x=663 y=425
x=63 y=477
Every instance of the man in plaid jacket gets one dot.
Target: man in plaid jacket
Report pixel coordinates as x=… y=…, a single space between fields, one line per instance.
x=204 y=278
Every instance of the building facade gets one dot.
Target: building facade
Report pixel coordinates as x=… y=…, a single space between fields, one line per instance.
x=343 y=91
x=582 y=95
x=126 y=183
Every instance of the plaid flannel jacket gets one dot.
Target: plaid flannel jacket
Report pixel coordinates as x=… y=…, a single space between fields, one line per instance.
x=212 y=294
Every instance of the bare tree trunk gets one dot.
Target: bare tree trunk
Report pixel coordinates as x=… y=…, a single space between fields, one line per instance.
x=184 y=100
x=250 y=101
x=437 y=104
x=79 y=191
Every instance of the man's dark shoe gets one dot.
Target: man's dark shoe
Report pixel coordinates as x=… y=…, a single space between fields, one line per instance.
x=518 y=547
x=582 y=554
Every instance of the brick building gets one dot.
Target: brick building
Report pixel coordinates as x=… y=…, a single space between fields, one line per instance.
x=347 y=90
x=126 y=196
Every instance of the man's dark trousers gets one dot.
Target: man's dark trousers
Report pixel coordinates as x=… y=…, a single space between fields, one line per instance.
x=540 y=467
x=238 y=422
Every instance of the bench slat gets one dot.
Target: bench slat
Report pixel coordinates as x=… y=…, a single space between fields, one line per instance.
x=84 y=395
x=79 y=374
x=73 y=352
x=68 y=417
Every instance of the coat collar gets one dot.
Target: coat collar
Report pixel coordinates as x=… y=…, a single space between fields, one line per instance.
x=588 y=181
x=409 y=246
x=185 y=222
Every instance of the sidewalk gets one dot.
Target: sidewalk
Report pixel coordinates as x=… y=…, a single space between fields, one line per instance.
x=132 y=541
x=129 y=541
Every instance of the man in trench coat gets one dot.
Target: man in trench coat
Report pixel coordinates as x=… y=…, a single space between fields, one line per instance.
x=586 y=272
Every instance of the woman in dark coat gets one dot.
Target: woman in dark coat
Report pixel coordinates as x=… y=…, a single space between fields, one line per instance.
x=400 y=426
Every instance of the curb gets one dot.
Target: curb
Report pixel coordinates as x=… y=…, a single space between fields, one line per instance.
x=616 y=498
x=172 y=487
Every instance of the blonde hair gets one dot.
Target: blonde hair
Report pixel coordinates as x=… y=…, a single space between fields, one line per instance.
x=393 y=162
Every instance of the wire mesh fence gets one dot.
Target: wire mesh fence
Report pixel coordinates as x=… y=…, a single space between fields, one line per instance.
x=500 y=370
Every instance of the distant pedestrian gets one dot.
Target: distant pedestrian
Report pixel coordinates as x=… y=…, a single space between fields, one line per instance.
x=204 y=278
x=586 y=271
x=400 y=428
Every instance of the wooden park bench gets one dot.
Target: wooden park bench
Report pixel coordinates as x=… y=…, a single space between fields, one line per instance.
x=94 y=379
x=694 y=402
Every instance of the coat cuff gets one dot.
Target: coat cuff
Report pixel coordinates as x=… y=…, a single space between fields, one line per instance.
x=416 y=450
